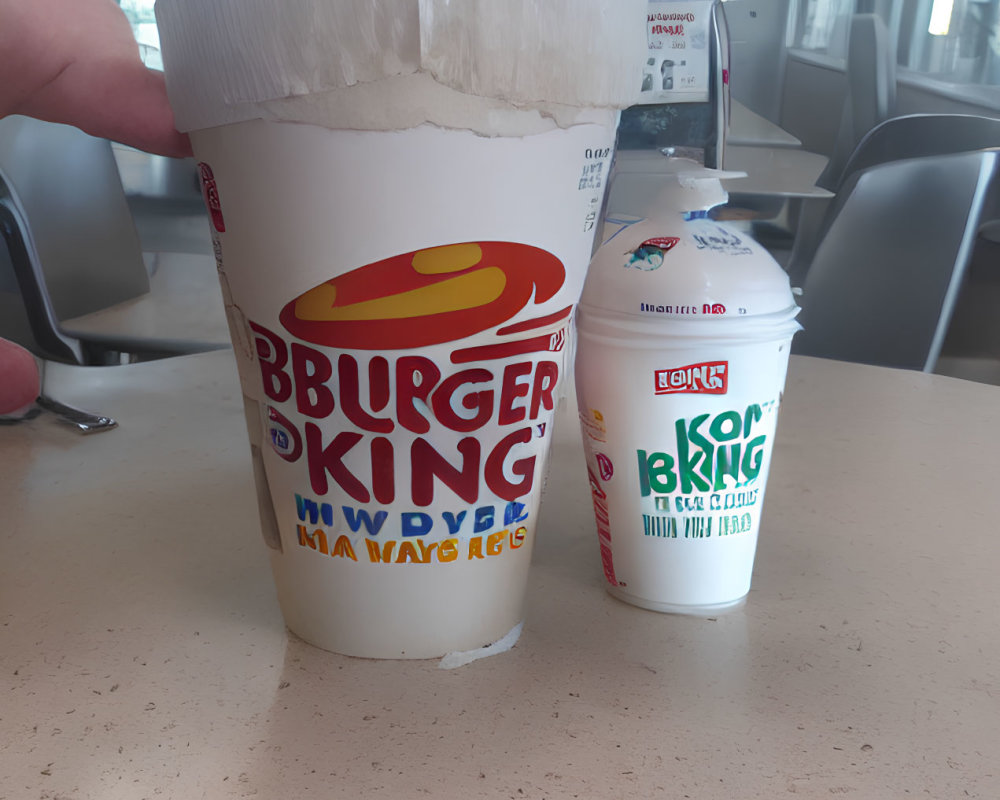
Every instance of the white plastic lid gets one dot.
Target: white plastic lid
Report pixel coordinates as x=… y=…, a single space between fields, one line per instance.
x=403 y=62
x=681 y=264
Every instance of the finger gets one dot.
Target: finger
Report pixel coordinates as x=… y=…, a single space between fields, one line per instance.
x=77 y=62
x=115 y=99
x=19 y=381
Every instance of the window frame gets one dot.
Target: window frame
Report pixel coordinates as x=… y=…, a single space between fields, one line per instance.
x=902 y=13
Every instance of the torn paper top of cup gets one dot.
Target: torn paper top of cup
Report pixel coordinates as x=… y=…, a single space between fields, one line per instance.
x=501 y=68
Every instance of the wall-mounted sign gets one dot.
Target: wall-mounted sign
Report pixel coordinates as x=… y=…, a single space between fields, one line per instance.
x=676 y=69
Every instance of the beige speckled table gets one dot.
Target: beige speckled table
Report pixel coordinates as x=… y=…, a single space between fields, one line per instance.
x=142 y=653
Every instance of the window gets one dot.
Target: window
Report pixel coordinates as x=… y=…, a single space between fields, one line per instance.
x=953 y=40
x=143 y=21
x=823 y=27
x=950 y=41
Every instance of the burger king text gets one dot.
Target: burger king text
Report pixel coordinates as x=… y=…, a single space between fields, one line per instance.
x=408 y=393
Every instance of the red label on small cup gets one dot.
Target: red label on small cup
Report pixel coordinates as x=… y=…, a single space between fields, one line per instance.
x=707 y=377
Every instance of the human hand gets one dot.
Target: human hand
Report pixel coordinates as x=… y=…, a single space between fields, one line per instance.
x=19 y=381
x=77 y=62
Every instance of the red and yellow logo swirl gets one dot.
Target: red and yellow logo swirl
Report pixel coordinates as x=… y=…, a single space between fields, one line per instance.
x=425 y=297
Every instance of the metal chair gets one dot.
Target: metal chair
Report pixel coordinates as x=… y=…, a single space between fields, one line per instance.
x=74 y=285
x=883 y=282
x=870 y=100
x=871 y=91
x=912 y=136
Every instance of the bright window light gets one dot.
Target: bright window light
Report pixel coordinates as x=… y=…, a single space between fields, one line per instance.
x=940 y=17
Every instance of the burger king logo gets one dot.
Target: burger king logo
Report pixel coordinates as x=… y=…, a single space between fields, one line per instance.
x=427 y=297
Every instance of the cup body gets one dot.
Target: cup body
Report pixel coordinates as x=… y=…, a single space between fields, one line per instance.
x=678 y=420
x=399 y=304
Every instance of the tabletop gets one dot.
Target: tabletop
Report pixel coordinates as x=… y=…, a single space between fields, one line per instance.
x=183 y=305
x=747 y=127
x=770 y=172
x=775 y=171
x=142 y=653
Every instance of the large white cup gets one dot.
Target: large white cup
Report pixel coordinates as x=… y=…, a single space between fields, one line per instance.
x=400 y=303
x=404 y=197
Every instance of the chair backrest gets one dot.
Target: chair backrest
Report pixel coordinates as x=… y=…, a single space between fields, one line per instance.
x=871 y=91
x=899 y=138
x=920 y=135
x=67 y=187
x=885 y=277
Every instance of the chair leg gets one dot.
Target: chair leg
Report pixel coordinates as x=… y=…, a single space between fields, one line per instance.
x=41 y=316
